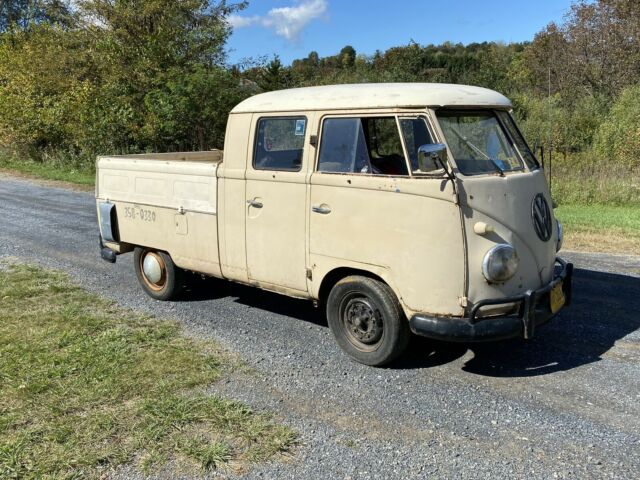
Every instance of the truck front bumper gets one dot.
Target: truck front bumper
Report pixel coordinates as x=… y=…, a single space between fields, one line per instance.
x=533 y=309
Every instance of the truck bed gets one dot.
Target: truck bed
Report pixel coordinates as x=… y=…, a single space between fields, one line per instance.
x=184 y=180
x=166 y=201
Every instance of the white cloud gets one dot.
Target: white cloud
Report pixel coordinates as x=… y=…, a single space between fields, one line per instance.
x=287 y=22
x=236 y=21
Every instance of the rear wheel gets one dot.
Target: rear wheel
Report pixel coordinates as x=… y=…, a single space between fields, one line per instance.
x=157 y=274
x=367 y=321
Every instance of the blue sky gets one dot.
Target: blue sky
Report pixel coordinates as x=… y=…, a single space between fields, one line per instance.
x=293 y=28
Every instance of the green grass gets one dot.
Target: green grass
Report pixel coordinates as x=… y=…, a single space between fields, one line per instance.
x=86 y=386
x=603 y=228
x=48 y=170
x=600 y=217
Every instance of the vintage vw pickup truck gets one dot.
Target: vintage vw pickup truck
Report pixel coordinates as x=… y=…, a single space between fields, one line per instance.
x=397 y=207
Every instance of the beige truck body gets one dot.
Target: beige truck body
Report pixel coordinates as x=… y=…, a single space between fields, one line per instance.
x=298 y=232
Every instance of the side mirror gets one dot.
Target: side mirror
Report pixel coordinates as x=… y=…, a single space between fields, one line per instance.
x=432 y=156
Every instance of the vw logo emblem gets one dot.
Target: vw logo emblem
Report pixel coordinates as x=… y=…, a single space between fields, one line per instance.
x=541 y=216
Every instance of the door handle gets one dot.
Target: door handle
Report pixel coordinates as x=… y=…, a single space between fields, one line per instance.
x=323 y=209
x=255 y=203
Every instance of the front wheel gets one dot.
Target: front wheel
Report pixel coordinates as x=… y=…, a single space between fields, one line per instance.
x=367 y=321
x=159 y=277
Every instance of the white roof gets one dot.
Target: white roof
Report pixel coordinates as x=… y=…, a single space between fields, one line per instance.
x=373 y=95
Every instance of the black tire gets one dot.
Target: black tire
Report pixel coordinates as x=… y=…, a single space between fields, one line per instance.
x=367 y=321
x=171 y=280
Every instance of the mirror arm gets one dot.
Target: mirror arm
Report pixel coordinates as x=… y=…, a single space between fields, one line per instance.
x=444 y=166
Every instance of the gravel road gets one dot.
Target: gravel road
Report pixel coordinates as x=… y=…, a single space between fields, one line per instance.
x=563 y=405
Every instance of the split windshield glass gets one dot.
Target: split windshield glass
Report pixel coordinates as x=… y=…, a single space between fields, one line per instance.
x=479 y=141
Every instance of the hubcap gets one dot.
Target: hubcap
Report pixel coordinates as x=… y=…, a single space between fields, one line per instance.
x=151 y=268
x=362 y=321
x=154 y=270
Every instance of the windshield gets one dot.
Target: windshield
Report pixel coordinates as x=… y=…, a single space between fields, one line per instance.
x=479 y=142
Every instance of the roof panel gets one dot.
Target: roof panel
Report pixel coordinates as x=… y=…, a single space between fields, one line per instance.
x=372 y=95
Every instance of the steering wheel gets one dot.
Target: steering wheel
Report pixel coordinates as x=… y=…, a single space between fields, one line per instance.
x=264 y=161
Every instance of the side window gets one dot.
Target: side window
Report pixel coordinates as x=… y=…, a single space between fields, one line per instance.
x=519 y=140
x=415 y=133
x=361 y=145
x=279 y=144
x=343 y=148
x=387 y=155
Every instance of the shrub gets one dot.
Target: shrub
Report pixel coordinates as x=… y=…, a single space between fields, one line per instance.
x=618 y=138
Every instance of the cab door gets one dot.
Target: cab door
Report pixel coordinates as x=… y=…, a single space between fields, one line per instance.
x=276 y=197
x=370 y=207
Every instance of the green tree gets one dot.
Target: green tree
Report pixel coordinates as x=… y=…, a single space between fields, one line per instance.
x=44 y=81
x=97 y=85
x=618 y=137
x=347 y=56
x=22 y=13
x=314 y=58
x=595 y=52
x=190 y=112
x=274 y=76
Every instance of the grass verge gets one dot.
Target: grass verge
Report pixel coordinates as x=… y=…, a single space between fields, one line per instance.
x=601 y=228
x=86 y=386
x=47 y=171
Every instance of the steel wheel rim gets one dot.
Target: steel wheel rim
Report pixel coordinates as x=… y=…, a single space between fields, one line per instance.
x=361 y=321
x=160 y=284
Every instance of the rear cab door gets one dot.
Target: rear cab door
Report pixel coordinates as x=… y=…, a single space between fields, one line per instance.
x=276 y=202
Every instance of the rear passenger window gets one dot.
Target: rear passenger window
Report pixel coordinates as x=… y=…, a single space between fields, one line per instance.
x=279 y=143
x=362 y=145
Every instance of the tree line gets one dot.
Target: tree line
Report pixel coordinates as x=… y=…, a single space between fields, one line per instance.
x=114 y=76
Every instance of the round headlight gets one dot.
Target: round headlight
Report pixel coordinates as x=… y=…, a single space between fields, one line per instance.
x=560 y=236
x=500 y=263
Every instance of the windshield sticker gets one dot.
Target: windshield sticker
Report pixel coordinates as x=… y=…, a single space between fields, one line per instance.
x=300 y=126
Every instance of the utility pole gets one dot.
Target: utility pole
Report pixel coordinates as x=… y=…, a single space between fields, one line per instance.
x=549 y=134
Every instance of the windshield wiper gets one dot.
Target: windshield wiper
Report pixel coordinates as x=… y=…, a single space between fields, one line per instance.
x=477 y=150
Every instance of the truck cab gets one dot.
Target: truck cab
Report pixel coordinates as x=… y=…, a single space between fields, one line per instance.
x=397 y=207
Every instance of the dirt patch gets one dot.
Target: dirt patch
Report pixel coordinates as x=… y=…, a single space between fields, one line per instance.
x=602 y=242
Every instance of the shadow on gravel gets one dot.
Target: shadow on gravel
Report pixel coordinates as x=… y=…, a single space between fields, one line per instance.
x=200 y=289
x=212 y=288
x=605 y=308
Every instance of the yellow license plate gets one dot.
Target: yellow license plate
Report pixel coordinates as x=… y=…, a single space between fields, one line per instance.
x=556 y=298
